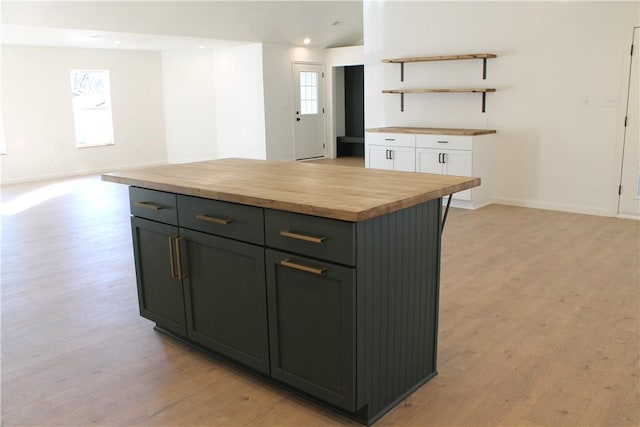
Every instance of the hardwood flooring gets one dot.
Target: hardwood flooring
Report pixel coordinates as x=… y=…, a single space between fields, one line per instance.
x=539 y=325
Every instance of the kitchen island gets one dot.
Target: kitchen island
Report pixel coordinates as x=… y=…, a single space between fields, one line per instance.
x=322 y=279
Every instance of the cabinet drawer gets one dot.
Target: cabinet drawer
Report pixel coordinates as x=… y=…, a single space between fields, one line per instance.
x=322 y=238
x=152 y=204
x=391 y=139
x=444 y=142
x=225 y=219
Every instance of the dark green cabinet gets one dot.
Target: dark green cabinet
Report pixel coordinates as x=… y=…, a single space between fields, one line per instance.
x=198 y=285
x=160 y=290
x=344 y=312
x=312 y=326
x=226 y=297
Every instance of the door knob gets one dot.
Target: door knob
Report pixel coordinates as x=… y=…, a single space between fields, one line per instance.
x=297 y=119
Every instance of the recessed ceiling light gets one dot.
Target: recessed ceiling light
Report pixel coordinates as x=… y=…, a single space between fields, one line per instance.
x=200 y=47
x=116 y=42
x=306 y=41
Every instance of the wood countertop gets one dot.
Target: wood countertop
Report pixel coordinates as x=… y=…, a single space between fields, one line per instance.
x=338 y=192
x=433 y=131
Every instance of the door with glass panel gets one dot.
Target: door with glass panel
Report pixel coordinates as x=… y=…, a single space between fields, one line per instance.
x=309 y=110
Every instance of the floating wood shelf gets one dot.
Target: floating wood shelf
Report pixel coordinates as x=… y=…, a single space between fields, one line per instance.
x=402 y=61
x=441 y=58
x=432 y=131
x=483 y=91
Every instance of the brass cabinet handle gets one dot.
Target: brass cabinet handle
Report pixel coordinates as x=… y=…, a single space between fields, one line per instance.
x=172 y=258
x=213 y=219
x=296 y=266
x=180 y=274
x=148 y=205
x=287 y=233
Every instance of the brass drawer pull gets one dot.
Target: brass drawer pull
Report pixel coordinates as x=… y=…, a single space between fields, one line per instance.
x=295 y=266
x=148 y=205
x=212 y=219
x=172 y=258
x=287 y=233
x=180 y=274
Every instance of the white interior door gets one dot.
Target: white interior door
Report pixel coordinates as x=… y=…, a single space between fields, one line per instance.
x=309 y=109
x=629 y=202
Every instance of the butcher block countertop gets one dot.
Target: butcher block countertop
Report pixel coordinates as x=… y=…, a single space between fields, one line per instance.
x=339 y=192
x=434 y=131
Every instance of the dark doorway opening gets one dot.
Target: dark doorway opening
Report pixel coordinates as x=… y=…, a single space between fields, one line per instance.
x=351 y=142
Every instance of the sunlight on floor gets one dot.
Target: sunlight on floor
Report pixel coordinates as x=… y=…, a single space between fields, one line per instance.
x=40 y=195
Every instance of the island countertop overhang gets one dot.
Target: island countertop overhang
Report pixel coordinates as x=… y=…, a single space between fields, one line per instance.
x=338 y=192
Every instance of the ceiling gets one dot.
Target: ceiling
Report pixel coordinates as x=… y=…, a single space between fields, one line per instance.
x=166 y=25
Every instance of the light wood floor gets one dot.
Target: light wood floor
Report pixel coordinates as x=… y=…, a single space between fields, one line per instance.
x=539 y=326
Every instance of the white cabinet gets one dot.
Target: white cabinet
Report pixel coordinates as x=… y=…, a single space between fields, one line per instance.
x=444 y=154
x=391 y=151
x=445 y=162
x=459 y=155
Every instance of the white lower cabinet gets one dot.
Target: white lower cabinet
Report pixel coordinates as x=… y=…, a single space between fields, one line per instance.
x=391 y=151
x=391 y=158
x=437 y=154
x=445 y=162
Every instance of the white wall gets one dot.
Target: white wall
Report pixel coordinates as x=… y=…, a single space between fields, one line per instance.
x=38 y=117
x=560 y=79
x=240 y=116
x=337 y=58
x=190 y=105
x=234 y=102
x=278 y=96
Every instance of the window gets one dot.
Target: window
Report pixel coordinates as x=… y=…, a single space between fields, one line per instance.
x=91 y=98
x=308 y=92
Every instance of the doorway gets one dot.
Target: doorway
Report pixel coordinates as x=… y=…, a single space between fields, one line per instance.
x=629 y=190
x=349 y=109
x=309 y=108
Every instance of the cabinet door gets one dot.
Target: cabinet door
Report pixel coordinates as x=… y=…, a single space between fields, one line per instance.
x=312 y=326
x=403 y=159
x=458 y=162
x=378 y=157
x=429 y=161
x=226 y=300
x=160 y=291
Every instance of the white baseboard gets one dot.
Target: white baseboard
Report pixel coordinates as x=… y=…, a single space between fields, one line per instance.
x=588 y=210
x=80 y=172
x=627 y=216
